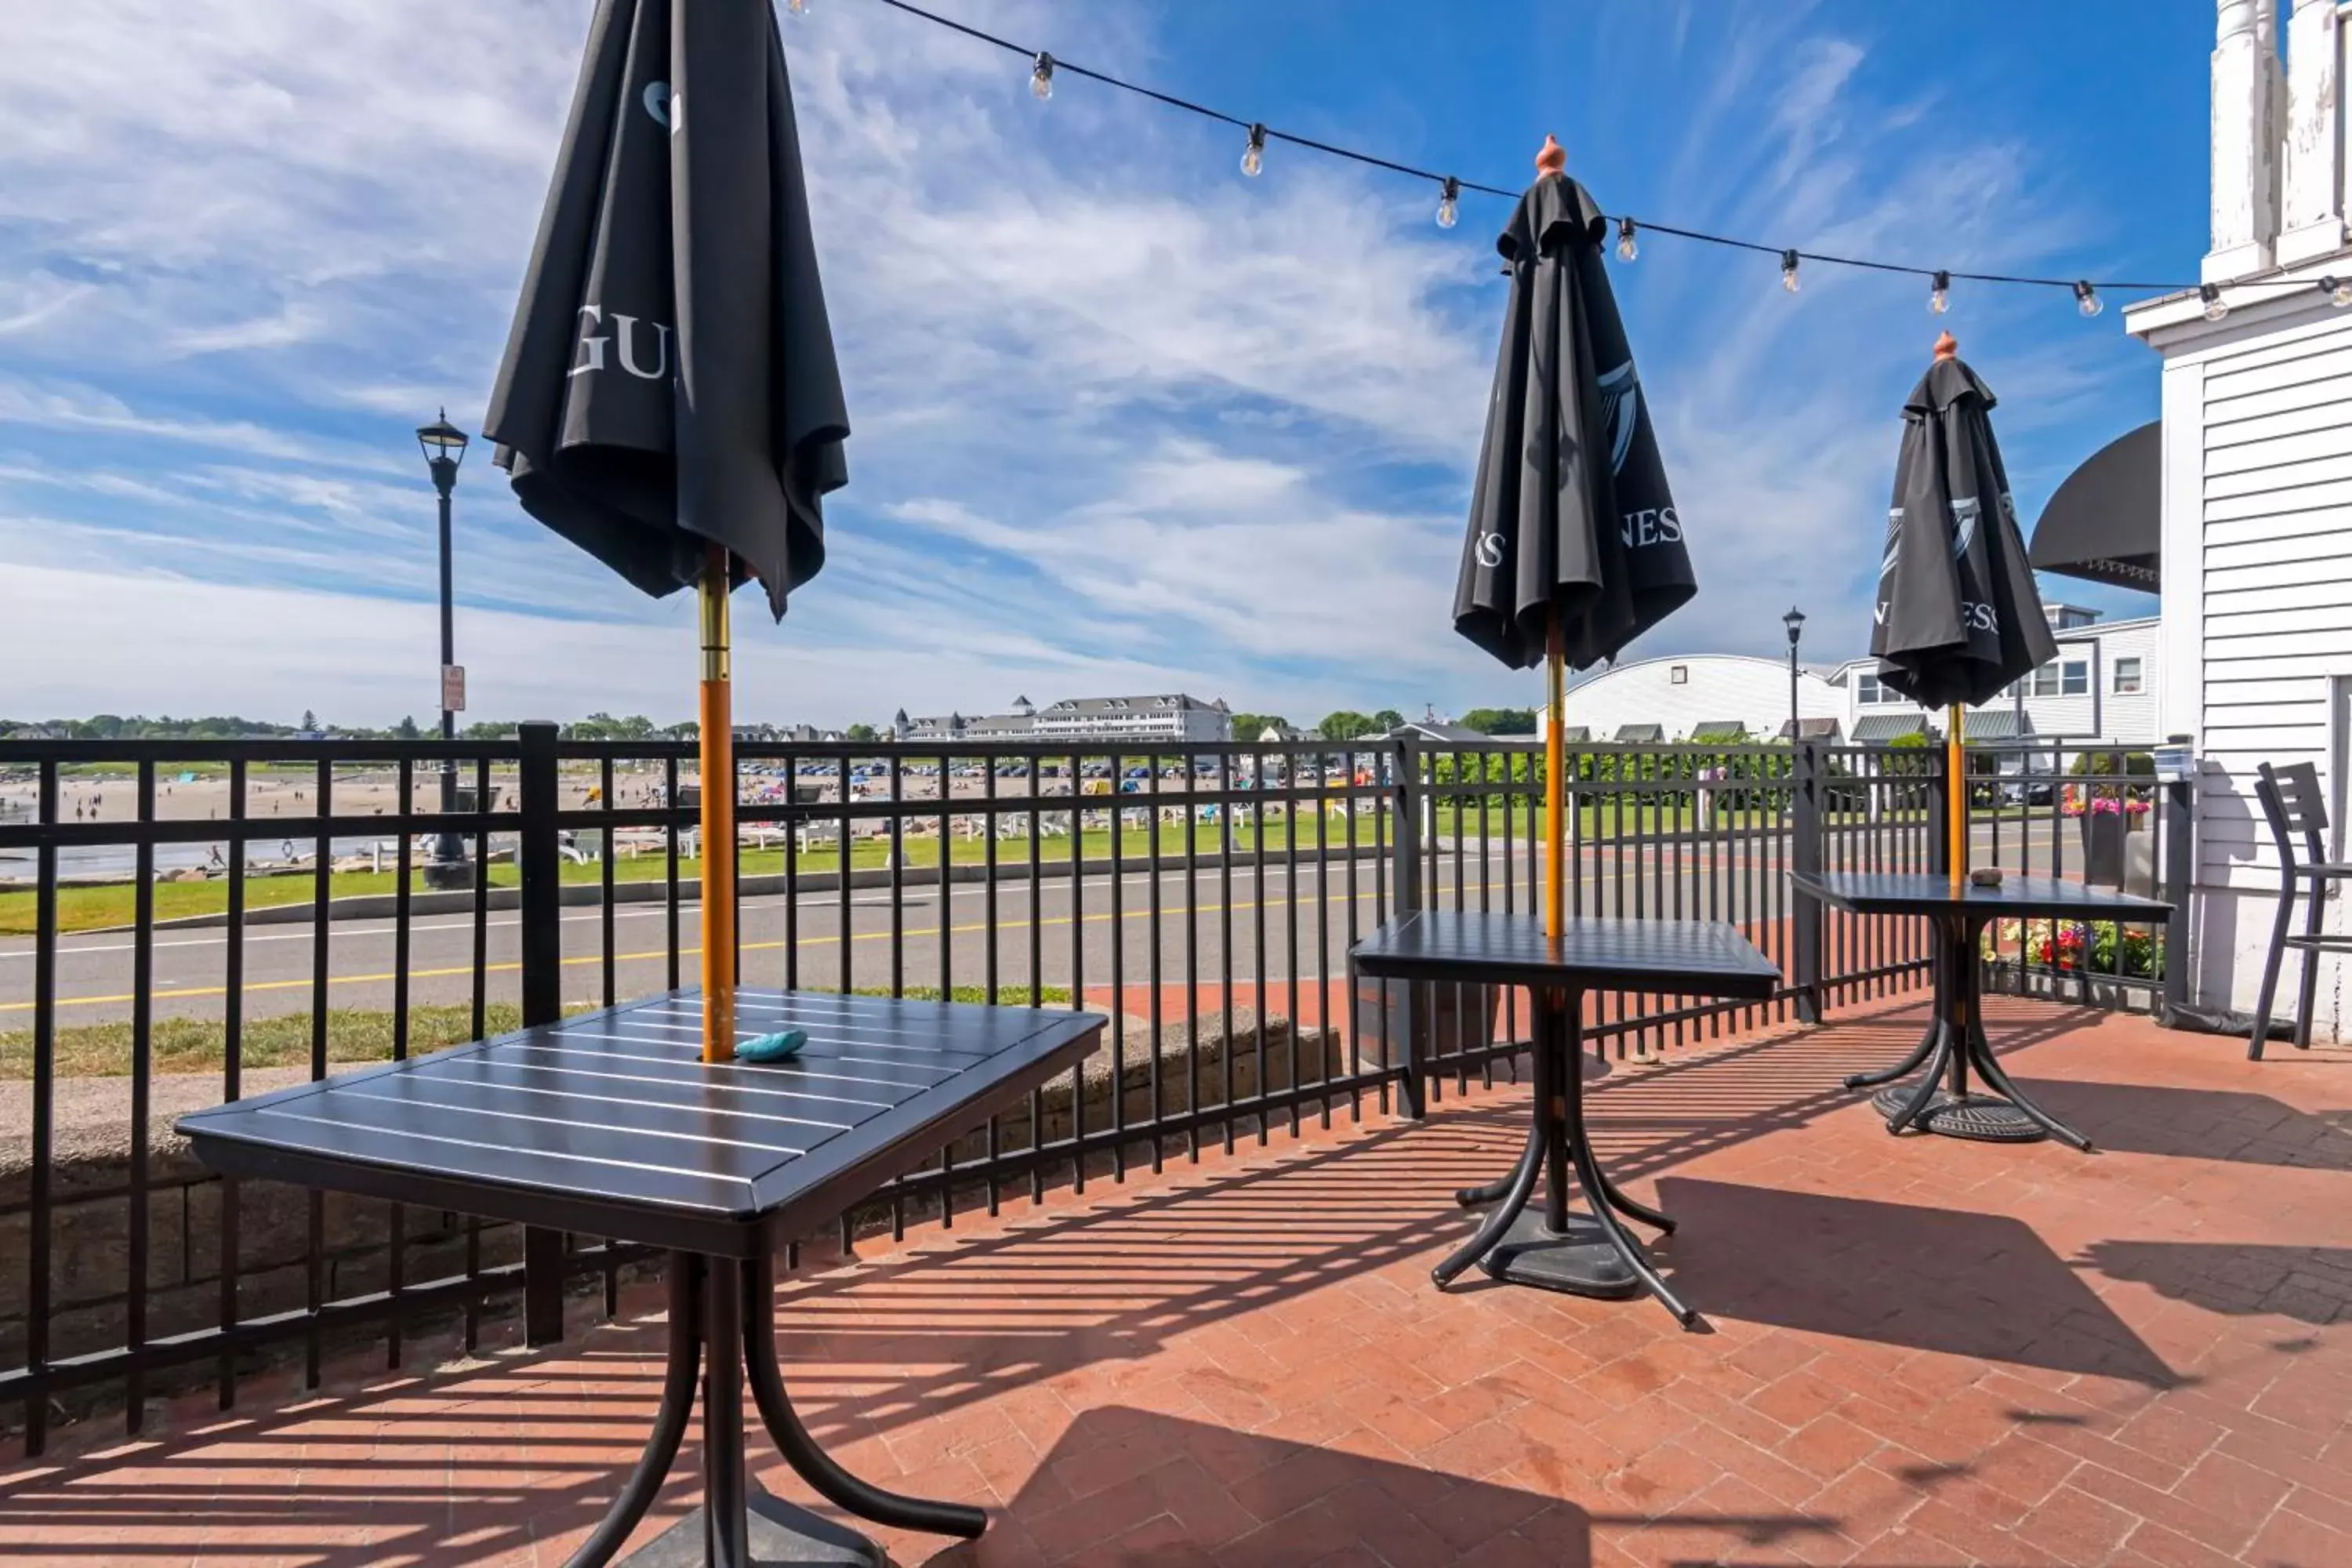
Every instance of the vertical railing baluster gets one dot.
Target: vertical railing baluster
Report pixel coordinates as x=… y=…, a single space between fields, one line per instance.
x=396 y=1320
x=321 y=918
x=605 y=859
x=671 y=816
x=842 y=861
x=1117 y=975
x=1224 y=810
x=1077 y=840
x=233 y=1071
x=898 y=873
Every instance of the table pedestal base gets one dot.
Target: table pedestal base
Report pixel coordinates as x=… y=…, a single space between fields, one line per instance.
x=779 y=1535
x=1553 y=1248
x=1979 y=1117
x=1582 y=1260
x=1938 y=1099
x=723 y=1324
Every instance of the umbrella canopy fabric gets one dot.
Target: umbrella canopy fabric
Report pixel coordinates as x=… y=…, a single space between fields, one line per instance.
x=1570 y=506
x=2105 y=522
x=670 y=380
x=1957 y=617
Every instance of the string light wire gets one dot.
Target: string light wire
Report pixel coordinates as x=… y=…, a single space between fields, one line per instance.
x=1260 y=133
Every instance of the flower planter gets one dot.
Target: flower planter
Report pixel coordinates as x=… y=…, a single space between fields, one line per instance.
x=2103 y=847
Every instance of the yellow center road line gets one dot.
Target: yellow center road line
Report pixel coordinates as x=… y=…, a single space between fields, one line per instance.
x=183 y=993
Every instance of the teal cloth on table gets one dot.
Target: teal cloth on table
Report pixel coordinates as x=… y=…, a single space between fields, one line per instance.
x=772 y=1048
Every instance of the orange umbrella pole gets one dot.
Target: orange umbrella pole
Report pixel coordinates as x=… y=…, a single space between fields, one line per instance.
x=717 y=737
x=1956 y=809
x=1554 y=785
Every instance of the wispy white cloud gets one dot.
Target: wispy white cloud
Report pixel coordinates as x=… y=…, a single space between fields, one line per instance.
x=1122 y=419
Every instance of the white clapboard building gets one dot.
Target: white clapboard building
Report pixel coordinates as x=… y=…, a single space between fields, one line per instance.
x=2101 y=689
x=2255 y=543
x=1709 y=696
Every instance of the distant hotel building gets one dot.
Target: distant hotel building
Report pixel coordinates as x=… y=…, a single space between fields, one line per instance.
x=1165 y=717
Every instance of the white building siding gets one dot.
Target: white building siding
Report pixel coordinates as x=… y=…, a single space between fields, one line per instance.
x=1714 y=687
x=2257 y=603
x=2275 y=492
x=2098 y=715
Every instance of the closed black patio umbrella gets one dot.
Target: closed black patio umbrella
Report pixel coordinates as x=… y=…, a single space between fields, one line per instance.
x=669 y=400
x=1574 y=547
x=1957 y=618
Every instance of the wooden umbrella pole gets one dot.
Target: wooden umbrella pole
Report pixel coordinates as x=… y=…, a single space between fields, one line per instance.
x=718 y=747
x=1554 y=785
x=1956 y=811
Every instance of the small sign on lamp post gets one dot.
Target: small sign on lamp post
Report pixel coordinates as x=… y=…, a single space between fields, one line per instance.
x=453 y=689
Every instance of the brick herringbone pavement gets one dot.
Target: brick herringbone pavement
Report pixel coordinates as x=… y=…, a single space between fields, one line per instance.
x=1918 y=1351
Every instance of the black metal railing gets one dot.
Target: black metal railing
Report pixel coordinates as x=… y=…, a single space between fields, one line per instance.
x=203 y=920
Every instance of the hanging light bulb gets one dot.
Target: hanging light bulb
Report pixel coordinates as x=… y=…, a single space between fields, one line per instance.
x=1040 y=77
x=2338 y=291
x=2088 y=300
x=1939 y=296
x=2215 y=308
x=1789 y=270
x=1254 y=155
x=797 y=7
x=1628 y=247
x=1449 y=203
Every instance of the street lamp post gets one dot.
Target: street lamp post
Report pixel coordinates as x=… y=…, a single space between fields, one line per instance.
x=1795 y=621
x=444 y=446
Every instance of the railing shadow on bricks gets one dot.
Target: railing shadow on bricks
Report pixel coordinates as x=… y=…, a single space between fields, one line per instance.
x=1203 y=893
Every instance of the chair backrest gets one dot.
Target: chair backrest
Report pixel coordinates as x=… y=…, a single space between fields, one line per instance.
x=2292 y=801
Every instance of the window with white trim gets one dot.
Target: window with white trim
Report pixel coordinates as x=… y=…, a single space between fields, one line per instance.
x=2127 y=677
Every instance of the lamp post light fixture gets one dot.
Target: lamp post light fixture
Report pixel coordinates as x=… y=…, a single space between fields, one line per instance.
x=444 y=446
x=1795 y=621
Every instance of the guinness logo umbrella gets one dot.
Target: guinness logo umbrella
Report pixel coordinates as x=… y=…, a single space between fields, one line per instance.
x=1574 y=547
x=669 y=401
x=1957 y=618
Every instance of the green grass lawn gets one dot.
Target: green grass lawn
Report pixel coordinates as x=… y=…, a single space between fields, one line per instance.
x=97 y=907
x=353 y=1036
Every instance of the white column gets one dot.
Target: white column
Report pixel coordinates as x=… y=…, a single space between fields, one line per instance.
x=2312 y=211
x=2245 y=208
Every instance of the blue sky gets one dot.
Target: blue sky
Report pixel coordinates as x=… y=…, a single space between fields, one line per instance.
x=1123 y=419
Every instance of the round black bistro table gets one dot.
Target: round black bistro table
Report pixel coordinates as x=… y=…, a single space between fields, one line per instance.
x=1591 y=1253
x=1939 y=1099
x=611 y=1124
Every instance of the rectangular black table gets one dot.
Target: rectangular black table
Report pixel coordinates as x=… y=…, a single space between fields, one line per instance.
x=1585 y=1253
x=609 y=1124
x=1954 y=1040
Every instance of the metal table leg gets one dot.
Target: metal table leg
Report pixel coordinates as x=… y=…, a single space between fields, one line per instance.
x=1989 y=1069
x=721 y=1314
x=816 y=1466
x=1582 y=1254
x=2004 y=1116
x=1911 y=1063
x=670 y=1422
x=1516 y=1187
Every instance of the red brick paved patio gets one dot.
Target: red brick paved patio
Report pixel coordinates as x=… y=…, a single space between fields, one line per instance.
x=1922 y=1353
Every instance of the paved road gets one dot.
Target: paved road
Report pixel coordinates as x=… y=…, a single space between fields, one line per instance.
x=1301 y=923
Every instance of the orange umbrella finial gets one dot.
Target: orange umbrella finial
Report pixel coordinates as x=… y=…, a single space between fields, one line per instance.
x=1947 y=345
x=1553 y=159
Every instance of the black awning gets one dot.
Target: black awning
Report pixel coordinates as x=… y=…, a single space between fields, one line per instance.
x=2106 y=522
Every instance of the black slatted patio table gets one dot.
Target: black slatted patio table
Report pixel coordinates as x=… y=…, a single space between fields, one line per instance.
x=609 y=1124
x=1954 y=1040
x=1587 y=1254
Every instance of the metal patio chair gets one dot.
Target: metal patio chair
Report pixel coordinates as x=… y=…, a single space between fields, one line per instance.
x=2292 y=802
